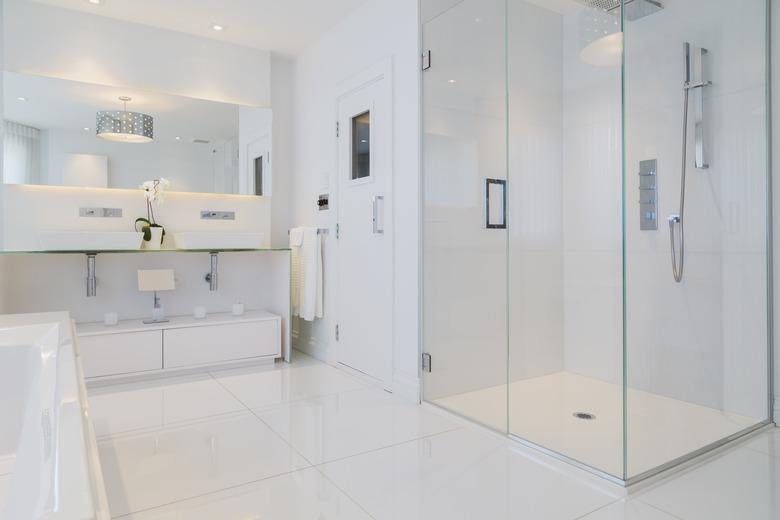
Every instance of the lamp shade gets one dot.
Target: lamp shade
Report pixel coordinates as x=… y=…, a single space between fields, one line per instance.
x=124 y=126
x=156 y=280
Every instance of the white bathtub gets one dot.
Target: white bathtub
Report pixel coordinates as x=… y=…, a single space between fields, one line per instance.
x=47 y=444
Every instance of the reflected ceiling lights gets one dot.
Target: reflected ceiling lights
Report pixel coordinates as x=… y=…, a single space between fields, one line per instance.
x=124 y=126
x=601 y=40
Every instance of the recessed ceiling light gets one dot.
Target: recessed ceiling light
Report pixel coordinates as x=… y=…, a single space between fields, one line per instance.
x=477 y=20
x=178 y=138
x=452 y=81
x=95 y=2
x=20 y=98
x=86 y=129
x=217 y=27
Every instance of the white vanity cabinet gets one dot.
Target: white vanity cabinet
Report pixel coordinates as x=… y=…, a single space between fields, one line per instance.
x=133 y=347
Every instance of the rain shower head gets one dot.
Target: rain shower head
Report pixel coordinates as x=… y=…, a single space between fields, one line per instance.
x=634 y=9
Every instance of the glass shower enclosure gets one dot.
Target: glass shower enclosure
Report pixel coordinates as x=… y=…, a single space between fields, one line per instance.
x=596 y=222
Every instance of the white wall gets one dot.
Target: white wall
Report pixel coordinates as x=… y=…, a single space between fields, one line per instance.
x=117 y=290
x=371 y=34
x=283 y=147
x=703 y=340
x=537 y=218
x=29 y=209
x=67 y=44
x=191 y=167
x=591 y=190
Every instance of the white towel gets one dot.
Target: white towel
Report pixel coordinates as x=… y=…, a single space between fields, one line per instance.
x=306 y=245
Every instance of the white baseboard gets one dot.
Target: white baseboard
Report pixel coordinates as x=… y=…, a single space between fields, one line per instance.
x=311 y=347
x=406 y=386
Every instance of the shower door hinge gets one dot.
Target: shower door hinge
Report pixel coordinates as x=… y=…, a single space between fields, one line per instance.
x=337 y=230
x=337 y=332
x=426 y=60
x=338 y=129
x=426 y=362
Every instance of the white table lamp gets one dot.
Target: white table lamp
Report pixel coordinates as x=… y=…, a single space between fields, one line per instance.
x=154 y=280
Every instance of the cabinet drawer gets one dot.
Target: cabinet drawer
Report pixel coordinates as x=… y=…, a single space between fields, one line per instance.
x=112 y=354
x=218 y=343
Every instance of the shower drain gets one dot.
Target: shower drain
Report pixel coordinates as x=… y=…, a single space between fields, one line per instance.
x=585 y=416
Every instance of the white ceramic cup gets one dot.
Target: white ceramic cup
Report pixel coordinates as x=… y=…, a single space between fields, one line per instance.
x=238 y=309
x=199 y=312
x=110 y=319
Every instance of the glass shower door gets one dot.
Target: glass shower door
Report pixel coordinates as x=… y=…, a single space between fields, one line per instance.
x=565 y=232
x=464 y=143
x=697 y=348
x=561 y=304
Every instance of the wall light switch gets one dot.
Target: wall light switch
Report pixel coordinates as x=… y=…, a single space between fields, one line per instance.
x=323 y=202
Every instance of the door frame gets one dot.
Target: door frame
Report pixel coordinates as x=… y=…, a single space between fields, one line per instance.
x=379 y=73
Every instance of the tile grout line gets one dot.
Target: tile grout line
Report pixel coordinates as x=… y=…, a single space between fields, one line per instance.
x=586 y=515
x=174 y=424
x=659 y=509
x=343 y=492
x=373 y=450
x=627 y=500
x=214 y=492
x=251 y=411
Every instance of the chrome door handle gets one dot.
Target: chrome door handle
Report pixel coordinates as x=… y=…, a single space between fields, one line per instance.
x=375 y=201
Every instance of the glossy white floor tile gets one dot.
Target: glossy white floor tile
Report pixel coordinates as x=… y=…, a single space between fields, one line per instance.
x=301 y=495
x=341 y=425
x=151 y=469
x=768 y=443
x=629 y=510
x=660 y=429
x=463 y=474
x=256 y=388
x=178 y=449
x=155 y=404
x=738 y=484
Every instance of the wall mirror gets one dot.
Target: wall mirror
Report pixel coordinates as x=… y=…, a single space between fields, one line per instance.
x=67 y=133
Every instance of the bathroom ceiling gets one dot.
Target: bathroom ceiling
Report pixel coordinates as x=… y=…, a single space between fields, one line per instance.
x=283 y=26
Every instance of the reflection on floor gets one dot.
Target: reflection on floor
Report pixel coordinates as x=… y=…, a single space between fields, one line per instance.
x=542 y=410
x=309 y=441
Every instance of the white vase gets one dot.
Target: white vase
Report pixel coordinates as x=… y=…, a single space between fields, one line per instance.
x=156 y=241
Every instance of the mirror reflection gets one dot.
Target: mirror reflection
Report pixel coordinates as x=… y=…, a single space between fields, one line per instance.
x=67 y=133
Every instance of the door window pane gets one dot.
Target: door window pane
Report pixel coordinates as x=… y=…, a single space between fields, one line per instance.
x=361 y=146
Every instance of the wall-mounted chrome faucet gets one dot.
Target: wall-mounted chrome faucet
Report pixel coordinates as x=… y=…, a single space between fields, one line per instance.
x=100 y=212
x=91 y=276
x=217 y=215
x=213 y=276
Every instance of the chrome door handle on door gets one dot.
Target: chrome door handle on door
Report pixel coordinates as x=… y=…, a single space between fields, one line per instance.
x=375 y=201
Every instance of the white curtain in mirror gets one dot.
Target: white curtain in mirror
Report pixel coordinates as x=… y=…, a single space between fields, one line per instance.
x=21 y=153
